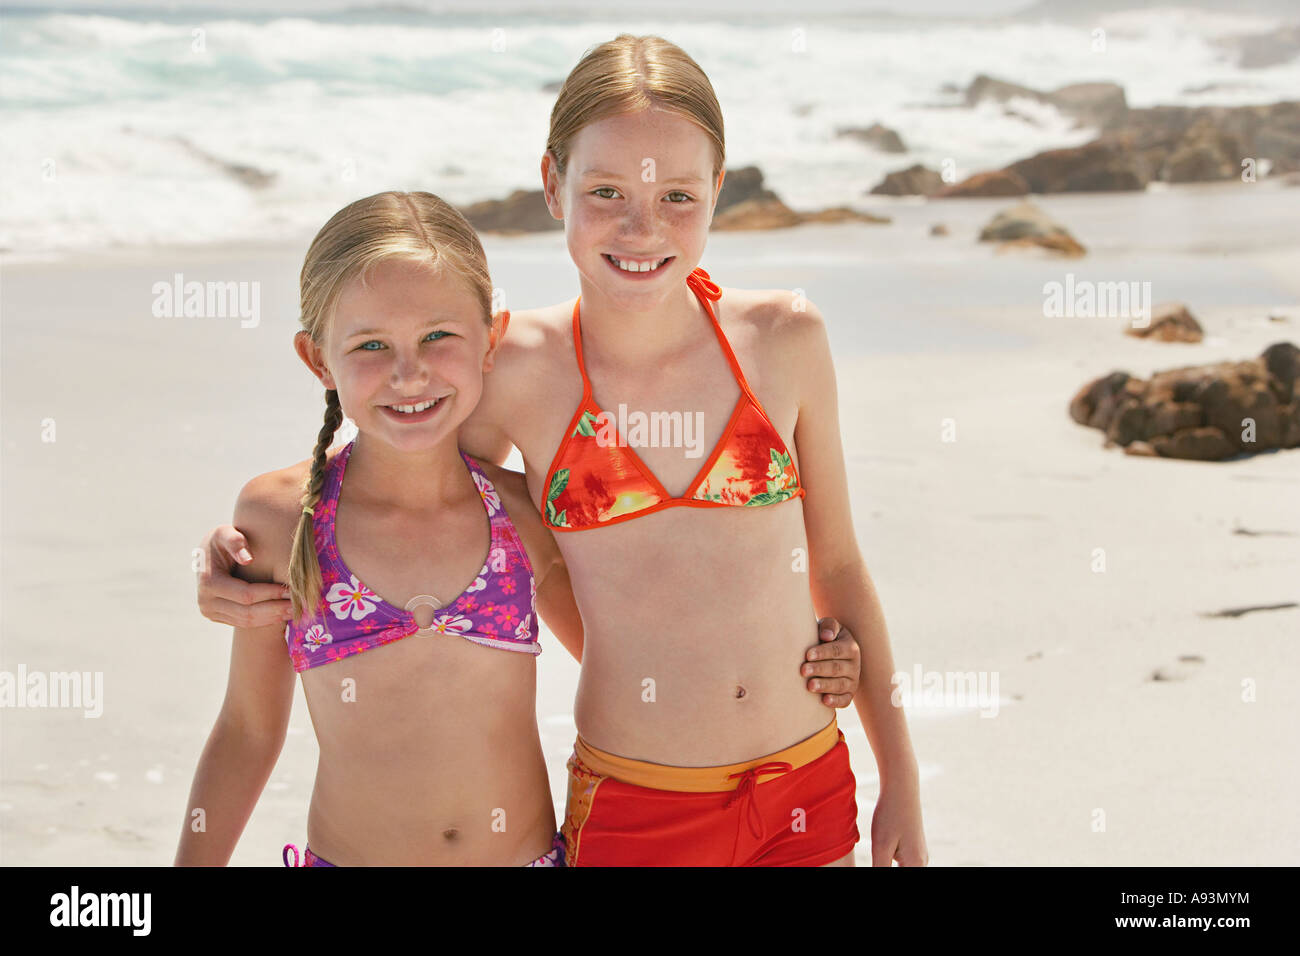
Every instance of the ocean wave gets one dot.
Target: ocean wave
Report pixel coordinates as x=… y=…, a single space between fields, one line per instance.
x=138 y=129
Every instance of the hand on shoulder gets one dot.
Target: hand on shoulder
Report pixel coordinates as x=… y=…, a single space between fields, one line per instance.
x=267 y=512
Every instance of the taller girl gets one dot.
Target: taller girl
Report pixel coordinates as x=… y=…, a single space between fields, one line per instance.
x=697 y=744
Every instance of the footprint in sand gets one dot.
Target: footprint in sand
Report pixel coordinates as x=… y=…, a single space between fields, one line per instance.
x=1186 y=666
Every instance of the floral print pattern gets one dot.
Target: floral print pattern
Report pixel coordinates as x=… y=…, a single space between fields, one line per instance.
x=491 y=500
x=451 y=624
x=316 y=636
x=353 y=600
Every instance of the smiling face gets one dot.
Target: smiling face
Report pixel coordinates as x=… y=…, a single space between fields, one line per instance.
x=406 y=352
x=637 y=198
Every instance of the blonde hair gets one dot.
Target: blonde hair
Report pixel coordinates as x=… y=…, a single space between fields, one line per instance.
x=626 y=75
x=413 y=227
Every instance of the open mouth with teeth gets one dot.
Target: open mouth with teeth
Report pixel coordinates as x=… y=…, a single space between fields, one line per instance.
x=417 y=411
x=636 y=266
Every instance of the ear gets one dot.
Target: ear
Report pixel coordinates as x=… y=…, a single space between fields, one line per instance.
x=500 y=322
x=722 y=174
x=551 y=184
x=311 y=356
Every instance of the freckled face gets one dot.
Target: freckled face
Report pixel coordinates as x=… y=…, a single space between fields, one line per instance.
x=409 y=337
x=637 y=198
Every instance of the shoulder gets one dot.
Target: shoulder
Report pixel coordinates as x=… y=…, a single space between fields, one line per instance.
x=785 y=312
x=534 y=335
x=527 y=362
x=535 y=342
x=266 y=513
x=788 y=326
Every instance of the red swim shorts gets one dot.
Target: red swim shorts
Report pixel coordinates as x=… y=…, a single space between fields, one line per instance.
x=796 y=807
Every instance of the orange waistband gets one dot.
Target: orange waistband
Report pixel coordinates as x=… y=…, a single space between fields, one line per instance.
x=658 y=776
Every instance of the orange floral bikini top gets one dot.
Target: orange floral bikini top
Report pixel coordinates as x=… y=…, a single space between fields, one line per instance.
x=597 y=479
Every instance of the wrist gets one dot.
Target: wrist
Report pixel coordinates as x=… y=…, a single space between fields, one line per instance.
x=898 y=771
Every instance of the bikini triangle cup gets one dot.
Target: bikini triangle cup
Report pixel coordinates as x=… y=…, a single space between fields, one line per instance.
x=594 y=482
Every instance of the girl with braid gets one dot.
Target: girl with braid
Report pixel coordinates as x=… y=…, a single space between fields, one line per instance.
x=420 y=678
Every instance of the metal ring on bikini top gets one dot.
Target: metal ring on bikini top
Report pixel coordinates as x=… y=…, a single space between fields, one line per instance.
x=421 y=600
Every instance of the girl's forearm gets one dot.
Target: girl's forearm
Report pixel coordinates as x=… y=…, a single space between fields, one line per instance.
x=229 y=779
x=850 y=596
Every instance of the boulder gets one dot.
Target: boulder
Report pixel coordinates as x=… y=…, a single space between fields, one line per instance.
x=1176 y=144
x=1102 y=105
x=1018 y=221
x=1103 y=165
x=1026 y=225
x=524 y=210
x=913 y=181
x=756 y=214
x=985 y=87
x=998 y=182
x=841 y=214
x=741 y=185
x=878 y=137
x=774 y=214
x=1195 y=144
x=1170 y=322
x=1200 y=413
x=1205 y=153
x=745 y=203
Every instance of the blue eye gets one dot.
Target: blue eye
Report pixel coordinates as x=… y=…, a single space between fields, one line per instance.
x=365 y=346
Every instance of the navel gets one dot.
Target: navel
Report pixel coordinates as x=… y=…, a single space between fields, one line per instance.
x=450 y=833
x=740 y=691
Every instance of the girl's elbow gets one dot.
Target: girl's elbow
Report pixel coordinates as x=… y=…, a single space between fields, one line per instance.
x=258 y=739
x=846 y=567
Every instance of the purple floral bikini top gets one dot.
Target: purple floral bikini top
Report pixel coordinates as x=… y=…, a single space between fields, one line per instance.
x=498 y=609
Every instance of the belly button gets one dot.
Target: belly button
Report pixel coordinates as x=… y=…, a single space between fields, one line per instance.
x=451 y=833
x=740 y=692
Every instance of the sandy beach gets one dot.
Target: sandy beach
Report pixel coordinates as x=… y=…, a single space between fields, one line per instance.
x=983 y=548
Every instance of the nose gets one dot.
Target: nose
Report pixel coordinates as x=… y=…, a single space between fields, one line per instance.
x=640 y=224
x=408 y=371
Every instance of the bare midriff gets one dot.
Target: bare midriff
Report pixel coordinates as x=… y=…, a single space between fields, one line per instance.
x=696 y=623
x=406 y=776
